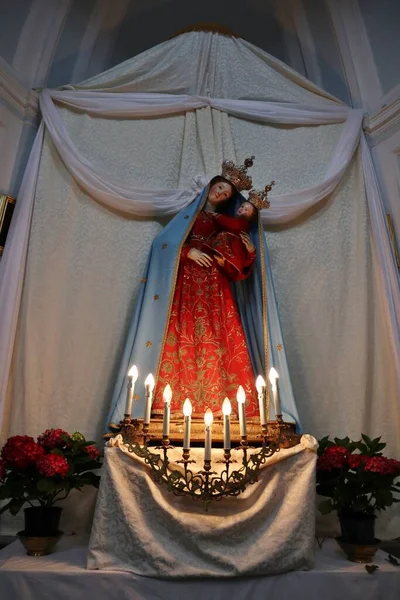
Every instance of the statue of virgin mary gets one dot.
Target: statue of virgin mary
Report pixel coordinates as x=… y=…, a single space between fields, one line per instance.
x=206 y=319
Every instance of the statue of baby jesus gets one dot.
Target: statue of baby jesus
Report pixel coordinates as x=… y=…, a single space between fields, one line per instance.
x=234 y=242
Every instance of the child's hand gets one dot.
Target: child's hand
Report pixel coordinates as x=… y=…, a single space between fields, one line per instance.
x=220 y=260
x=247 y=241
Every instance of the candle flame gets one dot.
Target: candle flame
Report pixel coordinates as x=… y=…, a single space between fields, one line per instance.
x=226 y=407
x=241 y=395
x=208 y=417
x=167 y=394
x=187 y=408
x=273 y=376
x=149 y=382
x=260 y=384
x=133 y=372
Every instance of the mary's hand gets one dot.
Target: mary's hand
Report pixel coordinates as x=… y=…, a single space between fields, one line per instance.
x=199 y=257
x=247 y=241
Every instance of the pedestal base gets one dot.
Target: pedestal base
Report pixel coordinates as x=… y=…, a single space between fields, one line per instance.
x=359 y=553
x=38 y=545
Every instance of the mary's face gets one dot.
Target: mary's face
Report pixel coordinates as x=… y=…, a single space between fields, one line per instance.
x=219 y=192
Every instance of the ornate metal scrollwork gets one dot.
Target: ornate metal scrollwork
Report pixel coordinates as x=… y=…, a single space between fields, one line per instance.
x=204 y=485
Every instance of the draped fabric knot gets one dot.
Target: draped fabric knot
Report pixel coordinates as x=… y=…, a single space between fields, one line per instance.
x=198 y=183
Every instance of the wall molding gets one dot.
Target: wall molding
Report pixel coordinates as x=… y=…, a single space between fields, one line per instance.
x=38 y=40
x=385 y=121
x=99 y=39
x=357 y=56
x=284 y=17
x=306 y=41
x=386 y=156
x=22 y=101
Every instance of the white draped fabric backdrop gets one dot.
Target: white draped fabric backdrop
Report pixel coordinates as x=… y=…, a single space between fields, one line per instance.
x=118 y=155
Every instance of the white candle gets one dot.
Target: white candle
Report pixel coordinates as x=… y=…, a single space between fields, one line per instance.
x=187 y=413
x=149 y=387
x=241 y=399
x=167 y=395
x=261 y=387
x=226 y=410
x=208 y=419
x=273 y=377
x=132 y=377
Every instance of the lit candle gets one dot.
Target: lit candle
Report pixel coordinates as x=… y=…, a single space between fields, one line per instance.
x=241 y=399
x=149 y=387
x=132 y=377
x=226 y=410
x=187 y=413
x=208 y=419
x=167 y=395
x=261 y=387
x=273 y=377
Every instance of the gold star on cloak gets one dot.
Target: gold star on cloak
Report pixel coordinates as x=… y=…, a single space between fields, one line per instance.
x=186 y=216
x=164 y=246
x=136 y=397
x=148 y=344
x=279 y=347
x=156 y=297
x=143 y=280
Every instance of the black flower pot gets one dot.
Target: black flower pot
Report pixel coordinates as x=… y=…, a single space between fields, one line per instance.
x=41 y=521
x=357 y=528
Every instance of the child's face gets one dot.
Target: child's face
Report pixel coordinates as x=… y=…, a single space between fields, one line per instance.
x=245 y=210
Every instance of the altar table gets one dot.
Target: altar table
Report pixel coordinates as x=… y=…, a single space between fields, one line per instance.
x=63 y=576
x=141 y=527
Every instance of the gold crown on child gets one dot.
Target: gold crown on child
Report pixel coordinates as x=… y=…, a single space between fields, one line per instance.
x=258 y=198
x=238 y=176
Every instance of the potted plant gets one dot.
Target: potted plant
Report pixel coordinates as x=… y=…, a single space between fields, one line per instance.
x=359 y=482
x=41 y=473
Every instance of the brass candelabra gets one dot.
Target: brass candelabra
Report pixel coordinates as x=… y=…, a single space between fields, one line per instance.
x=204 y=484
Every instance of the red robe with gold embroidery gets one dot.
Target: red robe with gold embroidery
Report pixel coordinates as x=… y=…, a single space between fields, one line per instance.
x=205 y=356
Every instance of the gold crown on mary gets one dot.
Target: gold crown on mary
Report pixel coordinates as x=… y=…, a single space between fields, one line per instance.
x=238 y=176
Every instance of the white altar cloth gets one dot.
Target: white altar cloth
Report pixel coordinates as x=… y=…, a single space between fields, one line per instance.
x=63 y=575
x=140 y=526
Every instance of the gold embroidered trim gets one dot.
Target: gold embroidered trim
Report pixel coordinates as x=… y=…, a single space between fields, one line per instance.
x=265 y=310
